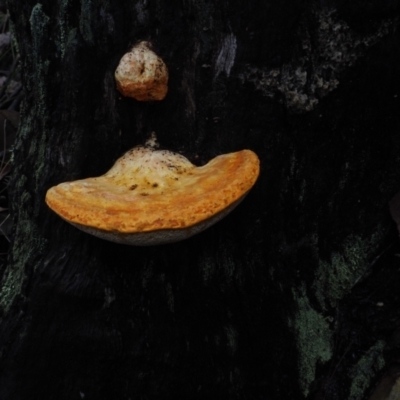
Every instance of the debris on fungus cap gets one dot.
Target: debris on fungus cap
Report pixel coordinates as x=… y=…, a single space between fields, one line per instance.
x=155 y=196
x=142 y=74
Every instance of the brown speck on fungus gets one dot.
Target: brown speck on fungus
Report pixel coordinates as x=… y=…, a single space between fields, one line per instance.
x=142 y=74
x=173 y=211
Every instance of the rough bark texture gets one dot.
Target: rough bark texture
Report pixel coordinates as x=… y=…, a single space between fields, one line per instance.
x=295 y=294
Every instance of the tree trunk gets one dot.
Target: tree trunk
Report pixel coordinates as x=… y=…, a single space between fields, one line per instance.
x=294 y=294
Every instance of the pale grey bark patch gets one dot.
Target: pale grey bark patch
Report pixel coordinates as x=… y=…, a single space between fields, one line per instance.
x=142 y=13
x=366 y=368
x=226 y=56
x=314 y=338
x=307 y=79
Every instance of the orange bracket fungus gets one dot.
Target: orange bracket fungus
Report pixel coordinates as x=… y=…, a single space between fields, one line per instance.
x=142 y=74
x=155 y=196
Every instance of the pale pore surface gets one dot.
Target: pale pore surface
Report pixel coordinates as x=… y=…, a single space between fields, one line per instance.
x=164 y=236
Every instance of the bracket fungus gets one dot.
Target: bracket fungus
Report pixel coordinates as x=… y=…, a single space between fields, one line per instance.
x=142 y=74
x=155 y=196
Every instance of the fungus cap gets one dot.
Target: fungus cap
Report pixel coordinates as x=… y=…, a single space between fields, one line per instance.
x=155 y=196
x=142 y=74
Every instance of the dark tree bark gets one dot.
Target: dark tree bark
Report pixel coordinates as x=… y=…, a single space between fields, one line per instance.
x=294 y=294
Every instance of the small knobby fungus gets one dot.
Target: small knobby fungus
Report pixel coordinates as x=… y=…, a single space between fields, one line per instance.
x=155 y=196
x=142 y=74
